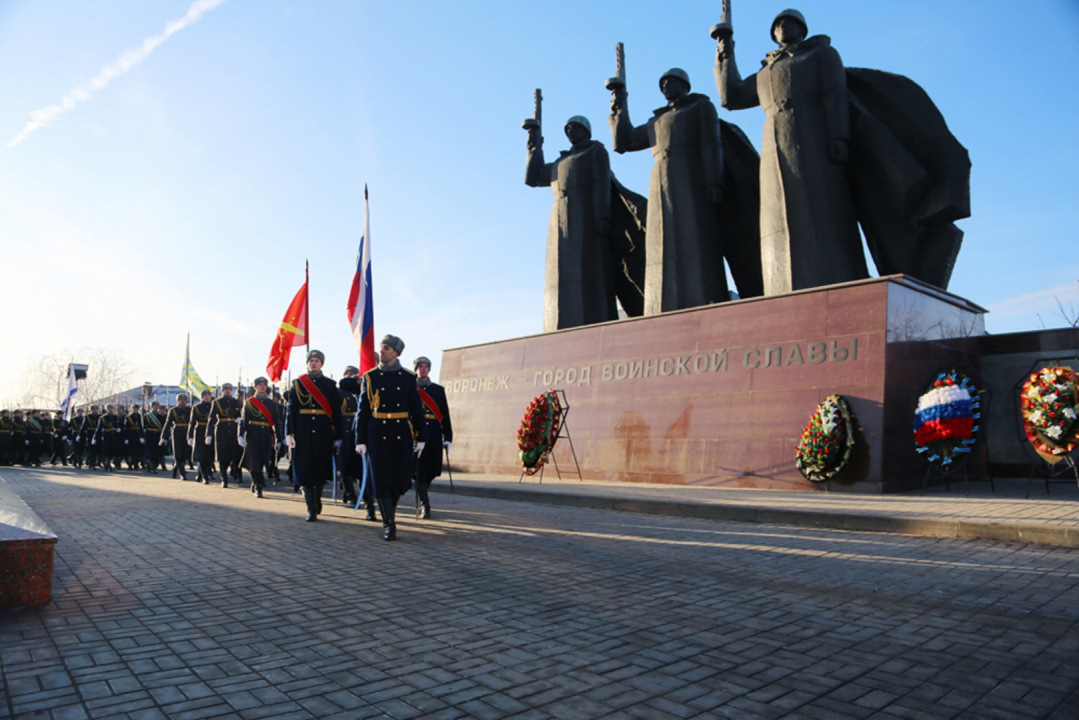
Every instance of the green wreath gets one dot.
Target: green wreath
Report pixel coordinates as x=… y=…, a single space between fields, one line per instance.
x=827 y=441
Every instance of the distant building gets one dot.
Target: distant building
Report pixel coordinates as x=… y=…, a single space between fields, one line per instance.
x=143 y=395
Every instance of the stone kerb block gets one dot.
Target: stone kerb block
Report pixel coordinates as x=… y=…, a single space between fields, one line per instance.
x=26 y=552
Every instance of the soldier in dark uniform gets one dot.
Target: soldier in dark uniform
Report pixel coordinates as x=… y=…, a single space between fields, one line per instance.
x=76 y=431
x=91 y=430
x=224 y=416
x=199 y=438
x=59 y=439
x=282 y=449
x=18 y=438
x=314 y=421
x=107 y=438
x=260 y=434
x=176 y=428
x=5 y=437
x=133 y=438
x=436 y=414
x=389 y=428
x=153 y=422
x=33 y=430
x=347 y=461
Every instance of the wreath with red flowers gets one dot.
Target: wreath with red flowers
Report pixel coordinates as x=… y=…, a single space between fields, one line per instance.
x=1049 y=405
x=538 y=431
x=827 y=441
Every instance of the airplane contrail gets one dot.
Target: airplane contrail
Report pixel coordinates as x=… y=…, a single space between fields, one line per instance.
x=126 y=61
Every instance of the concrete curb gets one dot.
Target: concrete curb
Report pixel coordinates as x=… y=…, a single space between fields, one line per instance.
x=1021 y=532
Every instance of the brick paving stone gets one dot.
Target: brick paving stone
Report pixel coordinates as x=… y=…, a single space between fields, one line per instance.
x=543 y=611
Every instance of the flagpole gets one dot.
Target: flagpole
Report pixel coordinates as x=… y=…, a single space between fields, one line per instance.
x=307 y=318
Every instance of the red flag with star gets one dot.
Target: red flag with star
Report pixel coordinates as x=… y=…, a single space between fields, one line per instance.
x=291 y=332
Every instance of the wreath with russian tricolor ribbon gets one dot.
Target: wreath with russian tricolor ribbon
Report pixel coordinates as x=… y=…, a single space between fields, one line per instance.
x=946 y=421
x=538 y=431
x=1048 y=405
x=827 y=440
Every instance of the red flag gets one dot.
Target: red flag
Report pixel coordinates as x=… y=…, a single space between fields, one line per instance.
x=292 y=332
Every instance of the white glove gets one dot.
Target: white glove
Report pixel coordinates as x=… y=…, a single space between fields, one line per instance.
x=92 y=442
x=419 y=447
x=290 y=441
x=209 y=440
x=337 y=444
x=361 y=449
x=163 y=443
x=27 y=442
x=125 y=442
x=191 y=441
x=242 y=441
x=446 y=444
x=142 y=441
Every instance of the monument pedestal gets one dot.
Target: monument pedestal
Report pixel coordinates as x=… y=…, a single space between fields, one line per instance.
x=719 y=395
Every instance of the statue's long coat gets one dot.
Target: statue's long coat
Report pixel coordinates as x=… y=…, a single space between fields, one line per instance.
x=578 y=284
x=809 y=229
x=684 y=250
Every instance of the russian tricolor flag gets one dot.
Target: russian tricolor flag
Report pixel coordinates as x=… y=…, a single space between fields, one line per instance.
x=361 y=309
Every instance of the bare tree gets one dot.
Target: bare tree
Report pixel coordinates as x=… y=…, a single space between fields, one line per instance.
x=44 y=381
x=1069 y=314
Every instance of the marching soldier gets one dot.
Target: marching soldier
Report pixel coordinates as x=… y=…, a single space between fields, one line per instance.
x=59 y=438
x=107 y=438
x=347 y=461
x=224 y=415
x=389 y=428
x=92 y=430
x=33 y=430
x=5 y=437
x=133 y=438
x=153 y=422
x=314 y=421
x=176 y=428
x=436 y=415
x=260 y=434
x=77 y=433
x=18 y=438
x=201 y=440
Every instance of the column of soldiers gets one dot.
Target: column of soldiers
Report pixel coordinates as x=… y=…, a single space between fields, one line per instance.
x=380 y=435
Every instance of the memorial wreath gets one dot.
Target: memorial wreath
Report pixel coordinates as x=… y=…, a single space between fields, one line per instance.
x=946 y=420
x=827 y=440
x=1049 y=412
x=538 y=431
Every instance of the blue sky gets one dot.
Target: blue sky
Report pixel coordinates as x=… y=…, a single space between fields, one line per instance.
x=185 y=194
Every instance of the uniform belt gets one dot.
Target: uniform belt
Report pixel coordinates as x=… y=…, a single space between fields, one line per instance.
x=311 y=411
x=349 y=414
x=199 y=424
x=111 y=429
x=226 y=419
x=391 y=416
x=179 y=424
x=259 y=423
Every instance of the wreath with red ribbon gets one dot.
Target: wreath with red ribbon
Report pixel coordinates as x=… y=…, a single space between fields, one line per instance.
x=538 y=431
x=827 y=440
x=1049 y=405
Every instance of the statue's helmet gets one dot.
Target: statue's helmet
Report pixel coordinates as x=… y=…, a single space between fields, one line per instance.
x=678 y=73
x=793 y=15
x=580 y=120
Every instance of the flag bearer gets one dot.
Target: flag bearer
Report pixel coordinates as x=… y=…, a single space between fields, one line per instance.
x=260 y=434
x=314 y=421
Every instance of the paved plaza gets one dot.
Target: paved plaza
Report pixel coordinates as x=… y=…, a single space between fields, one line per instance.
x=174 y=599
